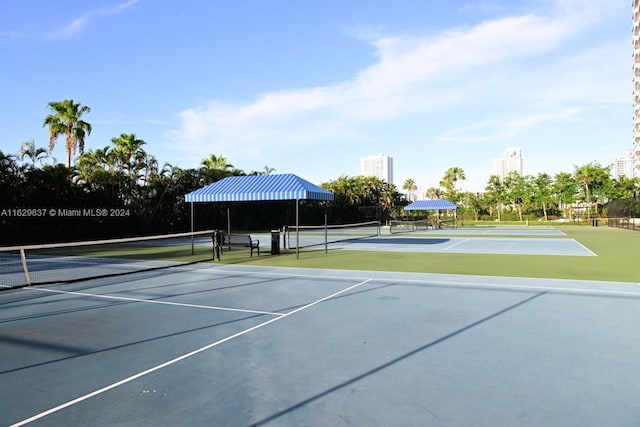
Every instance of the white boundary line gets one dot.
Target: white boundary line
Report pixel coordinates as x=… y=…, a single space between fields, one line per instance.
x=586 y=248
x=456 y=244
x=458 y=283
x=184 y=356
x=179 y=304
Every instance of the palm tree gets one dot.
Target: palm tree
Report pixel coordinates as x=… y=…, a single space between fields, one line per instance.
x=215 y=168
x=29 y=151
x=66 y=120
x=411 y=187
x=433 y=193
x=451 y=178
x=266 y=171
x=216 y=163
x=625 y=187
x=91 y=166
x=128 y=154
x=8 y=166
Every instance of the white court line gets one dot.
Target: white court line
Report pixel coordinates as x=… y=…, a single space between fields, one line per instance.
x=184 y=356
x=456 y=283
x=456 y=244
x=586 y=248
x=533 y=288
x=179 y=304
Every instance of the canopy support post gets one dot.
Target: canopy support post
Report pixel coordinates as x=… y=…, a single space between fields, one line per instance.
x=297 y=229
x=326 y=237
x=193 y=249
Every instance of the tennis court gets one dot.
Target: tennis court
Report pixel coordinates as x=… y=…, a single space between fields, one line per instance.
x=476 y=240
x=477 y=245
x=521 y=240
x=501 y=231
x=213 y=344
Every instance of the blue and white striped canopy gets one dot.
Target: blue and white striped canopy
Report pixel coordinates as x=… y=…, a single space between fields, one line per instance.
x=259 y=188
x=431 y=205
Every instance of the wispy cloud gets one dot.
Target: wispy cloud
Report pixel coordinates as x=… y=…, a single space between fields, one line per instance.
x=75 y=26
x=414 y=76
x=505 y=128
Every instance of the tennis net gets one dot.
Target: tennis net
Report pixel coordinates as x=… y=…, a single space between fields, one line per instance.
x=397 y=226
x=305 y=236
x=70 y=262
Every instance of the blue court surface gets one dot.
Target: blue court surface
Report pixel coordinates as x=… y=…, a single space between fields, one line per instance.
x=520 y=240
x=415 y=242
x=223 y=345
x=501 y=231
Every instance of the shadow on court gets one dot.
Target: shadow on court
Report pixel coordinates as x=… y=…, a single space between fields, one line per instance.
x=78 y=352
x=391 y=362
x=232 y=345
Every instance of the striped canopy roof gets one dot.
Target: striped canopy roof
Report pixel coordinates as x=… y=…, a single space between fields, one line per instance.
x=431 y=205
x=259 y=188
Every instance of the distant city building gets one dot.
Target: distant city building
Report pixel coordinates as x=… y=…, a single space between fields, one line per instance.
x=510 y=162
x=380 y=166
x=623 y=166
x=636 y=86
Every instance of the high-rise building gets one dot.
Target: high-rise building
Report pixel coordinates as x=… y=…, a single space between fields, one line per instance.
x=380 y=166
x=510 y=162
x=623 y=166
x=636 y=86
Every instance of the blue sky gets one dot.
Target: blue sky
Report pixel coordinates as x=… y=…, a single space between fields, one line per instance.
x=311 y=87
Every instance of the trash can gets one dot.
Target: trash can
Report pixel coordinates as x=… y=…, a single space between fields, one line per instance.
x=275 y=242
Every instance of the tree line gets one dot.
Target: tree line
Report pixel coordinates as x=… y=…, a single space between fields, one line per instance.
x=39 y=197
x=584 y=193
x=122 y=190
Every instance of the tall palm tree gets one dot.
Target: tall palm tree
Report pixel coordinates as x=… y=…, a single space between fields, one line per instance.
x=410 y=186
x=128 y=154
x=66 y=120
x=451 y=178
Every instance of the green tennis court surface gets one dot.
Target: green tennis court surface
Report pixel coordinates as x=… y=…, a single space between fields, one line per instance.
x=239 y=345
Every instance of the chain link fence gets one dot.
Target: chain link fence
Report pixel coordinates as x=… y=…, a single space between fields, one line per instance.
x=625 y=213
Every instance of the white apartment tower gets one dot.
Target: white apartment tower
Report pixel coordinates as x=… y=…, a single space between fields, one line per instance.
x=510 y=162
x=623 y=166
x=636 y=86
x=380 y=166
